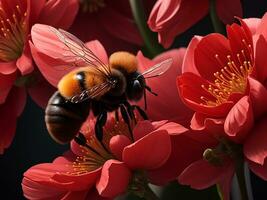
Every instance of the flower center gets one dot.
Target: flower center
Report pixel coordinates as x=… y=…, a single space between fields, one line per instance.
x=232 y=78
x=96 y=153
x=92 y=6
x=13 y=32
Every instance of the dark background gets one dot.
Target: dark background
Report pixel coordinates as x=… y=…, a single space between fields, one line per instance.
x=33 y=145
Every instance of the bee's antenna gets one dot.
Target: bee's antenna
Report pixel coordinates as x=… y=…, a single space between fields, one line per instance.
x=149 y=90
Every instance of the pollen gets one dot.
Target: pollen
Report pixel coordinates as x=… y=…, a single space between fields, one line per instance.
x=94 y=152
x=13 y=32
x=232 y=78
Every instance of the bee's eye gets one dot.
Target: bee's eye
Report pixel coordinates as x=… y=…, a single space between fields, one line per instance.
x=136 y=86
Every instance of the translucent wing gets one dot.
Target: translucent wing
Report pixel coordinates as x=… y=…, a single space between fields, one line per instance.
x=92 y=93
x=80 y=51
x=158 y=69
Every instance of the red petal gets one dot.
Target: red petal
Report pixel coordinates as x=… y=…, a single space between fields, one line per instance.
x=49 y=67
x=239 y=120
x=168 y=23
x=240 y=37
x=24 y=62
x=258 y=96
x=255 y=146
x=260 y=60
x=117 y=144
x=205 y=55
x=189 y=61
x=59 y=13
x=98 y=49
x=228 y=9
x=184 y=151
x=253 y=24
x=262 y=26
x=190 y=90
x=35 y=190
x=138 y=156
x=114 y=179
x=7 y=68
x=201 y=174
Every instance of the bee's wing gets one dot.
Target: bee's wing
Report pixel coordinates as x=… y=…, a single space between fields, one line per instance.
x=158 y=69
x=94 y=92
x=80 y=51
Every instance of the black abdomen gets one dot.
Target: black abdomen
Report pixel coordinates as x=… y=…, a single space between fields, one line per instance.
x=64 y=119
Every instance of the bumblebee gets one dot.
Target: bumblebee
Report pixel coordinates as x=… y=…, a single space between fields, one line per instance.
x=98 y=88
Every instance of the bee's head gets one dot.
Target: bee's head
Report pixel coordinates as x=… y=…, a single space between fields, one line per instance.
x=135 y=86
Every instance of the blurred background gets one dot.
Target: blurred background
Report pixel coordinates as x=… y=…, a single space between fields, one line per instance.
x=33 y=145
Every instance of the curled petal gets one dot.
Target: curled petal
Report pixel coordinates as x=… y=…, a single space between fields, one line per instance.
x=189 y=61
x=114 y=179
x=240 y=119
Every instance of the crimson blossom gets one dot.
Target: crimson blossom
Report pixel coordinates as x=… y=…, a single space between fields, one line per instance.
x=224 y=82
x=121 y=163
x=17 y=72
x=171 y=17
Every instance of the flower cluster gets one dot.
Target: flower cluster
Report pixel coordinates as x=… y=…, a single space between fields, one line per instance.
x=204 y=117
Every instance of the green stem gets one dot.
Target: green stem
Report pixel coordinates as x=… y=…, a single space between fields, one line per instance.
x=140 y=19
x=149 y=194
x=241 y=180
x=216 y=22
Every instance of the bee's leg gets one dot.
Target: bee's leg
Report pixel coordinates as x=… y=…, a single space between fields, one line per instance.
x=130 y=110
x=141 y=112
x=125 y=117
x=116 y=115
x=81 y=140
x=100 y=122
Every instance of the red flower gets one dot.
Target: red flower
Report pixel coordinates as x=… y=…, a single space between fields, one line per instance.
x=224 y=82
x=108 y=166
x=171 y=17
x=17 y=68
x=110 y=22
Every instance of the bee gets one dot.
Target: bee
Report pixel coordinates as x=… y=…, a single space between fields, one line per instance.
x=98 y=88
